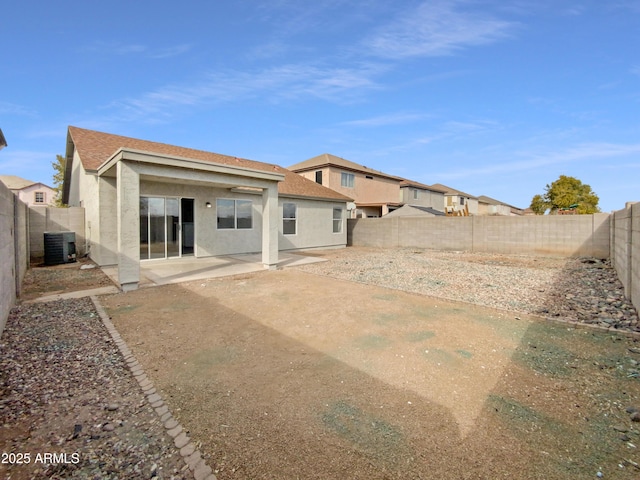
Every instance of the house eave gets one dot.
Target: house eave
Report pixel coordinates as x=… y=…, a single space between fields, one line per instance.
x=310 y=197
x=124 y=154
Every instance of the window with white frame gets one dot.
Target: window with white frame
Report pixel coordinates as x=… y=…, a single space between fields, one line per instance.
x=337 y=220
x=289 y=218
x=347 y=179
x=234 y=214
x=39 y=197
x=461 y=200
x=415 y=193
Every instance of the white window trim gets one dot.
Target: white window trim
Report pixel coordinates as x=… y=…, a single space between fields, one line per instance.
x=350 y=176
x=235 y=214
x=333 y=220
x=290 y=219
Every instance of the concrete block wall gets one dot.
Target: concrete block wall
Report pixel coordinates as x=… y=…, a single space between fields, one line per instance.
x=625 y=250
x=579 y=235
x=14 y=255
x=52 y=219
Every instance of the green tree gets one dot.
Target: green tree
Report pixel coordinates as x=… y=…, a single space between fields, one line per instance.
x=566 y=192
x=58 y=178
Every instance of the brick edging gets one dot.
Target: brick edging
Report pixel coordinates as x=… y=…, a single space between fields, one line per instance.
x=187 y=449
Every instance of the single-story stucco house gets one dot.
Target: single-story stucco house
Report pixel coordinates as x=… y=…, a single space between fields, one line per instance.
x=147 y=200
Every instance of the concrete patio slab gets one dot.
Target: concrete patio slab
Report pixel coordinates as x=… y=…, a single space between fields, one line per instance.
x=185 y=269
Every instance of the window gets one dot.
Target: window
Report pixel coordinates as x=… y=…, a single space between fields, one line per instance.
x=415 y=193
x=346 y=179
x=461 y=200
x=289 y=218
x=337 y=220
x=319 y=177
x=39 y=197
x=234 y=214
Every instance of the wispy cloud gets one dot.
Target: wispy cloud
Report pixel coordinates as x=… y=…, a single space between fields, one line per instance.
x=436 y=28
x=384 y=120
x=171 y=51
x=114 y=48
x=7 y=108
x=126 y=49
x=17 y=162
x=278 y=84
x=532 y=161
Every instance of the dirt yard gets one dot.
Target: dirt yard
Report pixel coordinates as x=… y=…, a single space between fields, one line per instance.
x=291 y=375
x=43 y=280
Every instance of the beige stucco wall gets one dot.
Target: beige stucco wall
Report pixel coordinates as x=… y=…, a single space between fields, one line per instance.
x=27 y=194
x=365 y=190
x=315 y=221
x=314 y=225
x=488 y=209
x=89 y=191
x=471 y=203
x=426 y=198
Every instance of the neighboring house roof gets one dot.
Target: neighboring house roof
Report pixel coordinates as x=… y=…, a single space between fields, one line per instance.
x=452 y=191
x=408 y=210
x=493 y=201
x=95 y=148
x=410 y=183
x=14 y=182
x=326 y=159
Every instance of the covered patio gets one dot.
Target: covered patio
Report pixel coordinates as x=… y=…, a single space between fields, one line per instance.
x=185 y=269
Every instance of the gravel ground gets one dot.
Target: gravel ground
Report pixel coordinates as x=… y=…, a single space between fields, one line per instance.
x=585 y=290
x=66 y=390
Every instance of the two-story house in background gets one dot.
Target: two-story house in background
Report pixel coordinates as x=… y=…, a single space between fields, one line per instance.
x=491 y=206
x=375 y=193
x=458 y=202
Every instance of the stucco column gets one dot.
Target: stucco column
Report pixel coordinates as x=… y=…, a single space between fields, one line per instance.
x=128 y=214
x=270 y=227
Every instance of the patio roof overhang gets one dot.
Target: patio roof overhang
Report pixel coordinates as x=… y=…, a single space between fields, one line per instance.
x=171 y=169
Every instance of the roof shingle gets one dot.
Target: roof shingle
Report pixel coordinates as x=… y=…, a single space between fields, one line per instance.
x=94 y=148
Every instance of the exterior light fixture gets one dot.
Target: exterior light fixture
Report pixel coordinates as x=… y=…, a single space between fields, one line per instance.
x=208 y=204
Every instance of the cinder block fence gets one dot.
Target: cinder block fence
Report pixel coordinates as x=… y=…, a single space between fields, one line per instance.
x=552 y=235
x=602 y=235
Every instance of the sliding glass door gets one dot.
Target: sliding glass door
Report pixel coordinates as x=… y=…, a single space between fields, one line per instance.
x=160 y=227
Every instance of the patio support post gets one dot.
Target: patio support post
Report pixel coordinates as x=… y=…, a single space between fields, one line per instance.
x=270 y=227
x=128 y=215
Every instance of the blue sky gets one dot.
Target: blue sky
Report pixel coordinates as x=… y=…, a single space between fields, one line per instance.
x=494 y=98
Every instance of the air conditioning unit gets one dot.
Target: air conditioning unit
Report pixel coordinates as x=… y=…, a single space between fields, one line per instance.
x=59 y=247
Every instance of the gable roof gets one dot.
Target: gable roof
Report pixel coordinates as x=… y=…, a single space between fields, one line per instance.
x=14 y=182
x=493 y=201
x=326 y=159
x=410 y=183
x=414 y=210
x=94 y=148
x=452 y=191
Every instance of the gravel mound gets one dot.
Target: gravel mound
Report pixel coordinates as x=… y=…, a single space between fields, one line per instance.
x=585 y=290
x=68 y=400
